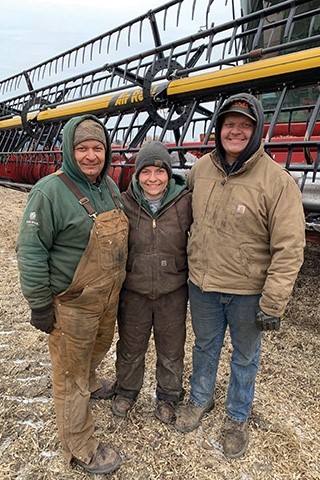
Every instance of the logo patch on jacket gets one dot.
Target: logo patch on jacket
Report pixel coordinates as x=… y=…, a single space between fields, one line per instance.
x=32 y=219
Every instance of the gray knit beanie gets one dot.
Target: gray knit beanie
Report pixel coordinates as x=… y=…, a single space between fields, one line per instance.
x=153 y=154
x=89 y=130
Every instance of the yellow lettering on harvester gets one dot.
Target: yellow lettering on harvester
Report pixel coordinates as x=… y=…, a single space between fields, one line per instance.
x=122 y=99
x=136 y=96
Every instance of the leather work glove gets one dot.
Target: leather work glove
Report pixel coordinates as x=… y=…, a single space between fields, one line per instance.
x=266 y=322
x=43 y=318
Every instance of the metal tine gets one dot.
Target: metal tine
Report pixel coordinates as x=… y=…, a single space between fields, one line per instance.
x=75 y=57
x=217 y=105
x=311 y=26
x=288 y=27
x=129 y=35
x=316 y=165
x=178 y=12
x=112 y=76
x=232 y=39
x=190 y=44
x=193 y=128
x=276 y=113
x=165 y=127
x=313 y=120
x=138 y=67
x=91 y=51
x=69 y=60
x=116 y=126
x=125 y=72
x=208 y=11
x=56 y=69
x=170 y=60
x=83 y=55
x=165 y=19
x=5 y=86
x=140 y=30
x=128 y=132
x=255 y=42
x=210 y=47
x=100 y=46
x=289 y=157
x=118 y=38
x=188 y=121
x=309 y=130
x=273 y=31
x=43 y=71
x=18 y=80
x=153 y=64
x=91 y=84
x=194 y=8
x=108 y=43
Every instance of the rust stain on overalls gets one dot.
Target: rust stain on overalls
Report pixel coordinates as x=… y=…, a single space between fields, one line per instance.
x=85 y=320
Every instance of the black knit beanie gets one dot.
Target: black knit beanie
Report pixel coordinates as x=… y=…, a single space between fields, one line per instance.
x=153 y=154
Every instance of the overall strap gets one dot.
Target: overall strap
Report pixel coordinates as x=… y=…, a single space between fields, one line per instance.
x=84 y=201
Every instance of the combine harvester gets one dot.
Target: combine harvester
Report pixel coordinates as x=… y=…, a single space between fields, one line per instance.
x=169 y=88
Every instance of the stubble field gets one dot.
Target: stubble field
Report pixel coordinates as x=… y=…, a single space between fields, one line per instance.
x=285 y=421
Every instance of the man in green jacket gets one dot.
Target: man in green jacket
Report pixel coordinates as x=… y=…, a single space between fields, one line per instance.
x=71 y=257
x=244 y=253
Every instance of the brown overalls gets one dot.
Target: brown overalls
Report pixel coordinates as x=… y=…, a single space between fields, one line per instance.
x=85 y=317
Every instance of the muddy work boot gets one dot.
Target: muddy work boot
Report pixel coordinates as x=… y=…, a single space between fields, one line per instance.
x=105 y=392
x=236 y=438
x=105 y=460
x=165 y=411
x=189 y=417
x=121 y=405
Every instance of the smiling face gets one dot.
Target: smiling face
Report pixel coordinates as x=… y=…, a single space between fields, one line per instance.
x=90 y=156
x=153 y=181
x=236 y=132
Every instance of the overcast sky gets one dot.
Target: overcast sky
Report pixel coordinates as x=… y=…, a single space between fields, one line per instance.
x=32 y=31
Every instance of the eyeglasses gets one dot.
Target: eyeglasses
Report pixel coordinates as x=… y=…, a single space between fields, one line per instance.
x=239 y=126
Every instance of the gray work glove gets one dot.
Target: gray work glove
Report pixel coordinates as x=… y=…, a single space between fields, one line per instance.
x=266 y=322
x=43 y=318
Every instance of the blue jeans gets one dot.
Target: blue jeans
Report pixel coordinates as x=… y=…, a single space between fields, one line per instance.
x=211 y=313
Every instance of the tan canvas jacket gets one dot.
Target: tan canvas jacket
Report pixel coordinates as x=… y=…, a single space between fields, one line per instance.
x=248 y=233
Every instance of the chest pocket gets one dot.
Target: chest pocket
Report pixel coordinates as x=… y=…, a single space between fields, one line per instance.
x=111 y=232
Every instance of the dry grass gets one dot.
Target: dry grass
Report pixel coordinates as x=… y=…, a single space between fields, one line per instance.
x=285 y=421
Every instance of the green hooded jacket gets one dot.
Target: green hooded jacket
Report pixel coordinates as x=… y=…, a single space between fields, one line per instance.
x=55 y=228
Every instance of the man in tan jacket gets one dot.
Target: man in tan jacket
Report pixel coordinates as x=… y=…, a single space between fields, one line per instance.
x=244 y=253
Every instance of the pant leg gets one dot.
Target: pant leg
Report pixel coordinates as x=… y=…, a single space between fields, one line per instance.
x=170 y=335
x=246 y=342
x=105 y=334
x=209 y=325
x=134 y=325
x=71 y=345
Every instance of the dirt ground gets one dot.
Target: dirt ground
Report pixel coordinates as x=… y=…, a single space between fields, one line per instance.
x=285 y=421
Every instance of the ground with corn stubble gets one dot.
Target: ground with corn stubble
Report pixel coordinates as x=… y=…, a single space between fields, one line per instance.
x=285 y=421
